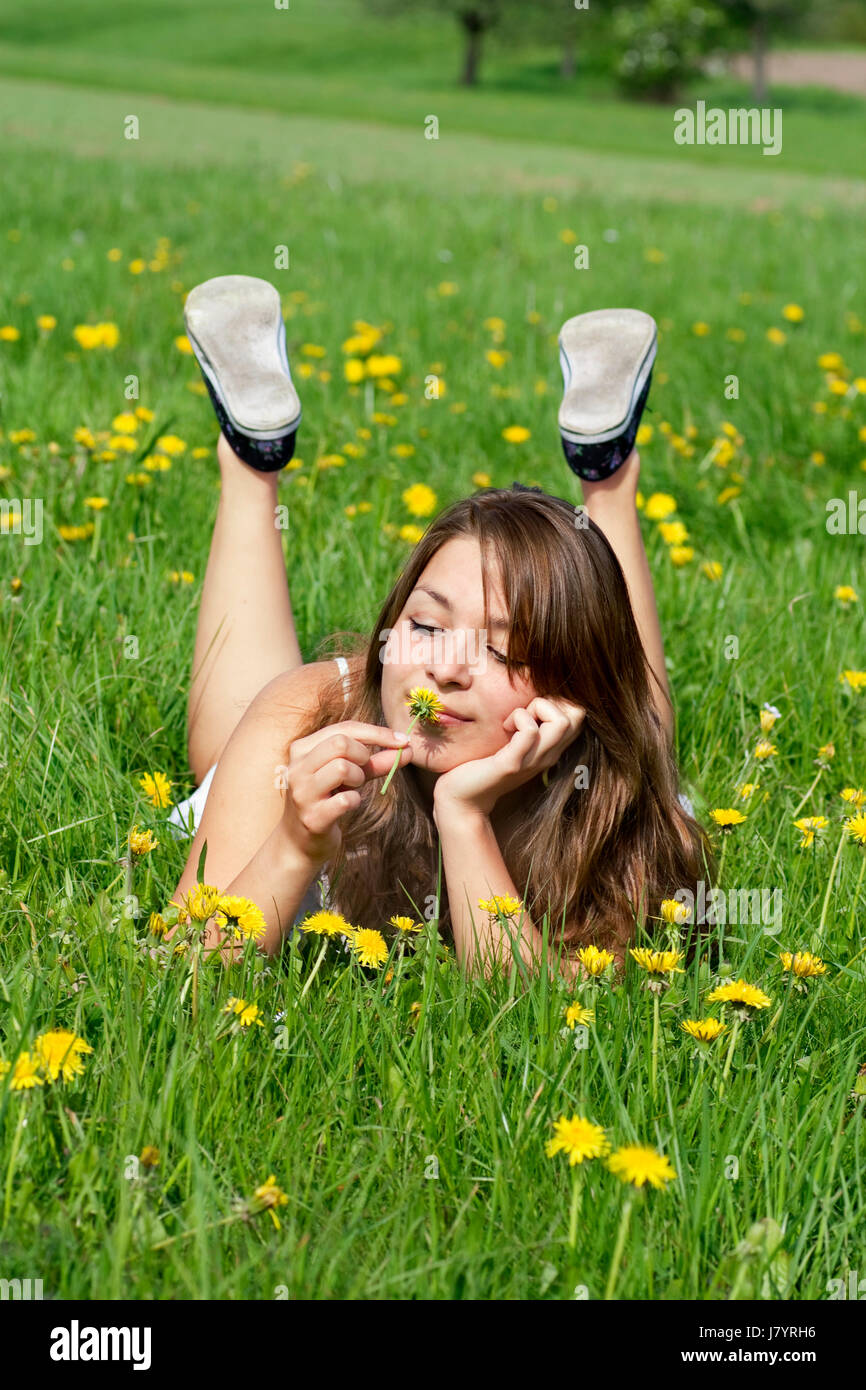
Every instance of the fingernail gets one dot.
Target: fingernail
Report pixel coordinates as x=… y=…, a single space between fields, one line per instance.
x=401 y=738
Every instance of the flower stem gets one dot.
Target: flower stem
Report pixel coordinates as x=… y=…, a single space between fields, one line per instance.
x=618 y=1248
x=396 y=763
x=734 y=1031
x=576 y=1195
x=850 y=930
x=315 y=970
x=655 y=1051
x=10 y=1171
x=195 y=959
x=817 y=939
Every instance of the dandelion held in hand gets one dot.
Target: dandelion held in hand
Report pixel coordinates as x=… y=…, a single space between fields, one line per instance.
x=423 y=704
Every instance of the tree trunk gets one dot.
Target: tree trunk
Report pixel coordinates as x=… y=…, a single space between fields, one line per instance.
x=568 y=65
x=473 y=28
x=759 y=59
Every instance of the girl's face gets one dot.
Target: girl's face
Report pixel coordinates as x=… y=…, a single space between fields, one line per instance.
x=458 y=660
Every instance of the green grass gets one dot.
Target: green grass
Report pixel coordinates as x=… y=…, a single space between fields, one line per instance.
x=341 y=1095
x=338 y=60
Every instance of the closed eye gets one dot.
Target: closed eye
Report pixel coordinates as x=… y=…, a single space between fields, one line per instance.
x=423 y=628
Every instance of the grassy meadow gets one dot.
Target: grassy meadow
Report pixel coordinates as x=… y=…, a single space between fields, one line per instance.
x=405 y=1112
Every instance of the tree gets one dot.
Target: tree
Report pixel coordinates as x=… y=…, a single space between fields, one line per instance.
x=475 y=17
x=762 y=19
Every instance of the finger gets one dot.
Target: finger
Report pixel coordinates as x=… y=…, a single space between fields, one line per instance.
x=342 y=743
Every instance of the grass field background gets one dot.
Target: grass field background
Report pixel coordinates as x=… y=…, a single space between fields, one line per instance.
x=347 y=1094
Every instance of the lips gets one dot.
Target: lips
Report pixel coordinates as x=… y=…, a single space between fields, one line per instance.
x=454 y=714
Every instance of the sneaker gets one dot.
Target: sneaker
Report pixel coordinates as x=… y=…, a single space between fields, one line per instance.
x=607 y=359
x=235 y=327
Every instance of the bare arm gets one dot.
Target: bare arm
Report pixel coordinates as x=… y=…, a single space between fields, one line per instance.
x=248 y=852
x=474 y=868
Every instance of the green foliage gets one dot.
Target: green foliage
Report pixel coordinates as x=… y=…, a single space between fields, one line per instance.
x=343 y=1094
x=664 y=42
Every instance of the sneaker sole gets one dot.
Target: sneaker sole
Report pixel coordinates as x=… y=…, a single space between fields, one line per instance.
x=235 y=327
x=606 y=356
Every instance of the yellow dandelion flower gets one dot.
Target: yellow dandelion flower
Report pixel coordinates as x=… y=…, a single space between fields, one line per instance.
x=419 y=499
x=764 y=749
x=504 y=903
x=157 y=788
x=59 y=1053
x=496 y=357
x=726 y=818
x=406 y=925
x=657 y=962
x=659 y=506
x=125 y=423
x=76 y=533
x=579 y=1138
x=46 y=322
x=149 y=1156
x=266 y=1197
x=802 y=964
x=856 y=827
x=183 y=344
x=370 y=947
x=681 y=555
x=410 y=533
x=26 y=1073
x=594 y=961
x=577 y=1014
x=845 y=594
x=246 y=1013
x=727 y=494
x=240 y=916
x=808 y=825
x=141 y=842
x=700 y=329
x=674 y=911
x=749 y=997
x=201 y=902
x=516 y=434
x=775 y=335
x=171 y=444
x=385 y=365
x=326 y=924
x=855 y=679
x=704 y=1029
x=855 y=796
x=712 y=569
x=640 y=1164
x=673 y=532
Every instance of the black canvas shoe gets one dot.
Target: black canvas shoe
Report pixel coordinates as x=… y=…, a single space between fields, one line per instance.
x=235 y=327
x=607 y=359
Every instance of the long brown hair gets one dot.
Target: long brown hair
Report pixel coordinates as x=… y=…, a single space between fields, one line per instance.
x=601 y=856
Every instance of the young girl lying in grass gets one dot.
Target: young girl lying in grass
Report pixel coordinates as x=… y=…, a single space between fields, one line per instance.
x=520 y=642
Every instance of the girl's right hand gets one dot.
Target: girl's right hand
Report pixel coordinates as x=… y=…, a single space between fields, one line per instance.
x=325 y=772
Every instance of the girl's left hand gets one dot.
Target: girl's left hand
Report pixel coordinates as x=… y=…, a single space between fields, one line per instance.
x=541 y=732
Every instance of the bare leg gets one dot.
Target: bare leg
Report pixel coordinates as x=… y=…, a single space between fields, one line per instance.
x=611 y=505
x=246 y=630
